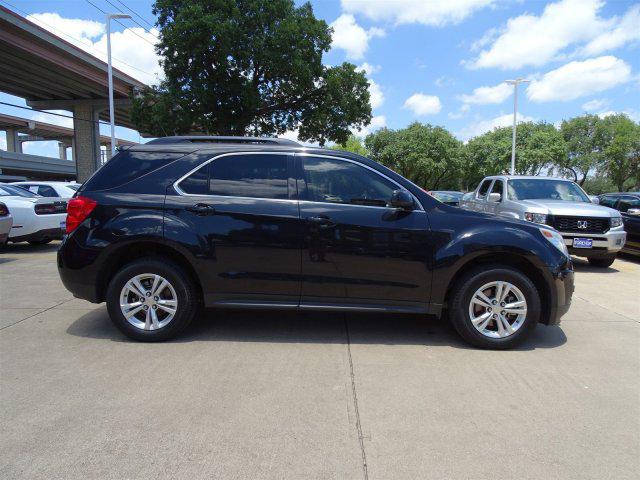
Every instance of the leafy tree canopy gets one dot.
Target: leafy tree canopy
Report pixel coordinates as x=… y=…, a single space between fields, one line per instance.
x=428 y=156
x=237 y=67
x=619 y=137
x=584 y=145
x=353 y=145
x=539 y=146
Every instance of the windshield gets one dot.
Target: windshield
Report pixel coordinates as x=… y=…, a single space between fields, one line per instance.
x=545 y=189
x=10 y=190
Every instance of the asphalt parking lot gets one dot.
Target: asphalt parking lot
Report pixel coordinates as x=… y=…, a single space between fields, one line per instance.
x=250 y=395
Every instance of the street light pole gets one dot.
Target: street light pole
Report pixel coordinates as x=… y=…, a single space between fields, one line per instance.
x=515 y=84
x=110 y=75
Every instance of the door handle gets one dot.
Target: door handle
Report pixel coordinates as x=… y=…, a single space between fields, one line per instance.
x=322 y=221
x=201 y=209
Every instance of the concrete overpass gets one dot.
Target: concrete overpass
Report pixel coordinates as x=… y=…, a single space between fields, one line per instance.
x=51 y=73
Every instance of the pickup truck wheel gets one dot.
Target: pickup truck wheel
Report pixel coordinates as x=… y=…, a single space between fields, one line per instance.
x=602 y=262
x=496 y=308
x=151 y=300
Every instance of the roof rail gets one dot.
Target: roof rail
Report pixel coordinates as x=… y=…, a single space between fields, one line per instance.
x=221 y=139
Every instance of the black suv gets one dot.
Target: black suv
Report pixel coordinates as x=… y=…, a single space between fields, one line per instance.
x=180 y=223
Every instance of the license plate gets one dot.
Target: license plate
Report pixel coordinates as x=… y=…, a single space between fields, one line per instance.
x=582 y=243
x=63 y=225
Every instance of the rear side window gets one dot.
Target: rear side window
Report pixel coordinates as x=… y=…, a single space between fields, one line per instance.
x=253 y=176
x=47 y=191
x=484 y=188
x=608 y=201
x=126 y=166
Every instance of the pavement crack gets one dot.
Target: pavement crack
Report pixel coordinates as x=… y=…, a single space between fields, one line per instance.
x=354 y=393
x=37 y=313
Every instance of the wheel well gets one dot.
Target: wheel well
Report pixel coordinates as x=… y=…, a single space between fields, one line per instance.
x=136 y=251
x=509 y=260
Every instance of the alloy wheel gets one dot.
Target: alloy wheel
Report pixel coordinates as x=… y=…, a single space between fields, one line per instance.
x=148 y=301
x=498 y=309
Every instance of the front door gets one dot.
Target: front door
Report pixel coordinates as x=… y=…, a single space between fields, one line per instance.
x=356 y=250
x=246 y=228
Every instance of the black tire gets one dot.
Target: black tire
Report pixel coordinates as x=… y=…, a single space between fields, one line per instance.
x=186 y=292
x=39 y=242
x=463 y=291
x=602 y=262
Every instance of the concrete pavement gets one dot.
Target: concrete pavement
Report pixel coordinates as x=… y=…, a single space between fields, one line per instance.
x=283 y=395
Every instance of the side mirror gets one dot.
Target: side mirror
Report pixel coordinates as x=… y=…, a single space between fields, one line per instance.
x=633 y=211
x=594 y=199
x=401 y=199
x=494 y=197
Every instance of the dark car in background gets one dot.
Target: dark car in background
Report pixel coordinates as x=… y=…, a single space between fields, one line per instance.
x=628 y=204
x=447 y=196
x=179 y=223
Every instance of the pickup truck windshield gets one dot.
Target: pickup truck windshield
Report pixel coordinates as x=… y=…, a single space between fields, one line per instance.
x=545 y=189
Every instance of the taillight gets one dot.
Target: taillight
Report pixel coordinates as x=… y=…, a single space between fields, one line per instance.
x=78 y=209
x=4 y=211
x=45 y=208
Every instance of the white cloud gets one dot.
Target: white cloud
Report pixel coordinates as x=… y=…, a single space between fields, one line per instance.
x=594 y=105
x=427 y=12
x=535 y=40
x=624 y=30
x=376 y=96
x=488 y=95
x=368 y=68
x=421 y=104
x=482 y=126
x=351 y=37
x=131 y=54
x=632 y=114
x=377 y=123
x=578 y=79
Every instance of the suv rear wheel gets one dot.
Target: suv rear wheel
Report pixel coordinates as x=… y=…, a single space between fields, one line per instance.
x=151 y=299
x=496 y=308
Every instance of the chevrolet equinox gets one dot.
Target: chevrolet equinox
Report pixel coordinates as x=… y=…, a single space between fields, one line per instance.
x=180 y=223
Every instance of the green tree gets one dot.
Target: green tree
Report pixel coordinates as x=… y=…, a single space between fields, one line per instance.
x=353 y=145
x=584 y=146
x=539 y=146
x=620 y=140
x=236 y=67
x=428 y=156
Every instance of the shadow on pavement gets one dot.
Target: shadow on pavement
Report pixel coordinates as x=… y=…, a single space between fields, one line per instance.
x=24 y=247
x=310 y=327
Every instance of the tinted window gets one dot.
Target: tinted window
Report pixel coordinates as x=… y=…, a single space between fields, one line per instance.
x=126 y=166
x=608 y=201
x=497 y=187
x=47 y=191
x=256 y=176
x=10 y=190
x=484 y=188
x=628 y=202
x=197 y=183
x=336 y=181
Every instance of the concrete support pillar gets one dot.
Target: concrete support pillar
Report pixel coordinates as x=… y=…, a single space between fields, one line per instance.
x=86 y=140
x=13 y=142
x=62 y=151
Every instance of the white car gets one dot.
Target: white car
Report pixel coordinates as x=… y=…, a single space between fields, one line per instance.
x=36 y=219
x=6 y=221
x=50 y=189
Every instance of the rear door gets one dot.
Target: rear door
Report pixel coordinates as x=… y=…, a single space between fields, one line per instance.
x=241 y=220
x=356 y=249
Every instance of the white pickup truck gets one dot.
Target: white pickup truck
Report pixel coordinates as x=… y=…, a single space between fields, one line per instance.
x=589 y=230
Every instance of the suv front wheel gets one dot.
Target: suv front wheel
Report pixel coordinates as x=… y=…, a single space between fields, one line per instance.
x=496 y=308
x=151 y=300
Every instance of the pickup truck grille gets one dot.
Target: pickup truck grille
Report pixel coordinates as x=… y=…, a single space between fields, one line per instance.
x=580 y=224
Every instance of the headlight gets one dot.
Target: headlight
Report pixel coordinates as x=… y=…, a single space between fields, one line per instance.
x=535 y=217
x=555 y=239
x=616 y=222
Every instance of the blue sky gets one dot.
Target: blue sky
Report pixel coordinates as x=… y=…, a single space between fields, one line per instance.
x=438 y=62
